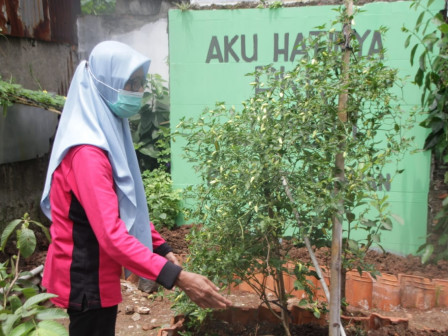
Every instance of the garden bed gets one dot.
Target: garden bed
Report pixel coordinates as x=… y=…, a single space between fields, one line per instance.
x=159 y=321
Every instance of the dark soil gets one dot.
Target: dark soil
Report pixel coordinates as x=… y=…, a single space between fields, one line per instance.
x=219 y=328
x=382 y=262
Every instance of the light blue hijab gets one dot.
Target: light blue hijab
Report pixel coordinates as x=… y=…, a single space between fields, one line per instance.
x=86 y=119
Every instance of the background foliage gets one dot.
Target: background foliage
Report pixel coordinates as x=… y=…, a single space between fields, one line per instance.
x=96 y=7
x=150 y=128
x=11 y=93
x=429 y=49
x=163 y=201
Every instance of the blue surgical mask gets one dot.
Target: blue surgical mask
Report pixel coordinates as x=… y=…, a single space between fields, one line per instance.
x=128 y=103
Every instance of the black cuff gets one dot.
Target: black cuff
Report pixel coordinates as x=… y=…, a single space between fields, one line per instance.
x=168 y=275
x=163 y=249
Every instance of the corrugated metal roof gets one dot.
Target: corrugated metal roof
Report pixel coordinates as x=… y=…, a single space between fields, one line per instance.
x=47 y=20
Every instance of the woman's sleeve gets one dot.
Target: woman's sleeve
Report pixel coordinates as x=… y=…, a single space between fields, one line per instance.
x=159 y=245
x=93 y=185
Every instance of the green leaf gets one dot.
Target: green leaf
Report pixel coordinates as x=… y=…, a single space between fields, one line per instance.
x=22 y=329
x=51 y=314
x=50 y=328
x=376 y=238
x=443 y=239
x=422 y=61
x=8 y=230
x=419 y=21
x=29 y=292
x=432 y=140
x=8 y=323
x=15 y=302
x=26 y=242
x=399 y=219
x=350 y=216
x=37 y=299
x=444 y=28
x=368 y=223
x=445 y=202
x=44 y=230
x=427 y=253
x=419 y=77
x=413 y=50
x=303 y=303
x=353 y=245
x=387 y=224
x=445 y=160
x=149 y=150
x=408 y=40
x=27 y=313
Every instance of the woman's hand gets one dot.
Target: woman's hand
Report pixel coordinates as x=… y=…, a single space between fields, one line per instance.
x=172 y=257
x=201 y=290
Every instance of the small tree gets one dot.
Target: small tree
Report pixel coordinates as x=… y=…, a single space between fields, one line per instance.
x=268 y=171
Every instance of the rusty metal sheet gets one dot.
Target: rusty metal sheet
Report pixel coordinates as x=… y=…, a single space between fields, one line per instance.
x=47 y=20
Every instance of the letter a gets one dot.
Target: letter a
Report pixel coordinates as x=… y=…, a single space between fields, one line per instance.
x=214 y=51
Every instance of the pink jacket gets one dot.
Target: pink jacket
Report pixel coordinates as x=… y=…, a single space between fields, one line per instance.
x=90 y=243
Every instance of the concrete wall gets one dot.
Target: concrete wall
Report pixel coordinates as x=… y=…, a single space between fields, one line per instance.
x=37 y=65
x=146 y=32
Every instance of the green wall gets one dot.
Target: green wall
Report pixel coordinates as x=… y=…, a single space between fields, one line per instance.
x=212 y=50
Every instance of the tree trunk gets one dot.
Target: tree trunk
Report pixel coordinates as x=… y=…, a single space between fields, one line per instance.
x=336 y=246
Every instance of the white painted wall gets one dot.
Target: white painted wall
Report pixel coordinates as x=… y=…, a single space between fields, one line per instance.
x=152 y=41
x=147 y=33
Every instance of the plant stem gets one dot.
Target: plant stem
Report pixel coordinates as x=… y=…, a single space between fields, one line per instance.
x=309 y=248
x=16 y=277
x=307 y=241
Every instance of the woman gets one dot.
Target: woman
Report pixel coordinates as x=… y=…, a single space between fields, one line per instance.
x=95 y=198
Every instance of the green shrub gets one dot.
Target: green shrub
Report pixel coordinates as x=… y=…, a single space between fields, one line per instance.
x=22 y=307
x=163 y=201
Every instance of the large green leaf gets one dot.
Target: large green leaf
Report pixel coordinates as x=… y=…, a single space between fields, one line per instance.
x=22 y=329
x=37 y=299
x=26 y=242
x=8 y=324
x=50 y=328
x=149 y=150
x=51 y=314
x=8 y=230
